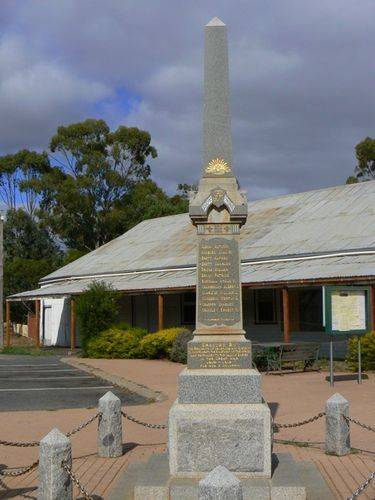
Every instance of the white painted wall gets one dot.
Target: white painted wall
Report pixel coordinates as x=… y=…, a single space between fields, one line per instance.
x=55 y=322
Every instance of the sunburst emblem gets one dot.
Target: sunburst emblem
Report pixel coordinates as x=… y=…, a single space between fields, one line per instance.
x=217 y=166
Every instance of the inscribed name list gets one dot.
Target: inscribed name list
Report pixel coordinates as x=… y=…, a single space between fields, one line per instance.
x=219 y=297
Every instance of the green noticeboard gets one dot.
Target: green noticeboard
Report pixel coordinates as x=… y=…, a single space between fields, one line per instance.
x=347 y=309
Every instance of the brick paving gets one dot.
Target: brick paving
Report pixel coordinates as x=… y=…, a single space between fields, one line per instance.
x=291 y=397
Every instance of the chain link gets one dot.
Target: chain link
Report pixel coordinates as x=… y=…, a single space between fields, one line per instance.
x=20 y=472
x=83 y=425
x=145 y=424
x=362 y=487
x=364 y=426
x=302 y=422
x=75 y=480
x=20 y=444
x=26 y=444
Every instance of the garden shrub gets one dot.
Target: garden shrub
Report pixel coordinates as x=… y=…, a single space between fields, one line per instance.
x=159 y=344
x=116 y=342
x=260 y=357
x=179 y=347
x=97 y=309
x=367 y=352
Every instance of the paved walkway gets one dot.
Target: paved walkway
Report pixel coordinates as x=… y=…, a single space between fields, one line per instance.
x=291 y=397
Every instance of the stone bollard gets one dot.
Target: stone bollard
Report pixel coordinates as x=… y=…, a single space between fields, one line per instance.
x=54 y=481
x=220 y=484
x=337 y=428
x=110 y=426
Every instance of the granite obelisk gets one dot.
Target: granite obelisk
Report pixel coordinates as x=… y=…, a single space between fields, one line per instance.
x=220 y=417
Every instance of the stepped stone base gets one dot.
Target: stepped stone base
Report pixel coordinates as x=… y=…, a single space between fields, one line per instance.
x=290 y=480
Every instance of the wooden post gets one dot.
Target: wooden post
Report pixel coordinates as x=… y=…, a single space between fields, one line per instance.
x=286 y=315
x=37 y=322
x=7 y=319
x=72 y=324
x=372 y=307
x=160 y=311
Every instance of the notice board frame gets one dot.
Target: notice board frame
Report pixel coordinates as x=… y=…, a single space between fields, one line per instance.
x=328 y=308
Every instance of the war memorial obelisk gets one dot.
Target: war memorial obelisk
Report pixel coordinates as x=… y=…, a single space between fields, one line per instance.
x=220 y=417
x=219 y=427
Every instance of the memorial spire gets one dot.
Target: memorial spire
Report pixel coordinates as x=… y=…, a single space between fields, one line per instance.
x=217 y=138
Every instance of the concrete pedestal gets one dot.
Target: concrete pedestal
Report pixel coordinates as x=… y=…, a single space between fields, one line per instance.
x=203 y=436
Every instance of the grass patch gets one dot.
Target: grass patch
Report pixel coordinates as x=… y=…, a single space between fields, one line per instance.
x=26 y=351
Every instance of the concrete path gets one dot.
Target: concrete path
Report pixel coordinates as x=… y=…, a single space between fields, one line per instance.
x=44 y=383
x=292 y=398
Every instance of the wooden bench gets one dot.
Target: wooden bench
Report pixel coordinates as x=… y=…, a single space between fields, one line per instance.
x=307 y=353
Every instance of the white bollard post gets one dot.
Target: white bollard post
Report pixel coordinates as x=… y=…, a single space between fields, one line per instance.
x=54 y=481
x=110 y=426
x=337 y=427
x=220 y=484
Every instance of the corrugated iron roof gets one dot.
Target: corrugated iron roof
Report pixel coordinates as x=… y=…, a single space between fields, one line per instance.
x=333 y=219
x=354 y=266
x=337 y=219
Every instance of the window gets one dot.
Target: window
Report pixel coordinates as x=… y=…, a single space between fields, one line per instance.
x=265 y=306
x=188 y=308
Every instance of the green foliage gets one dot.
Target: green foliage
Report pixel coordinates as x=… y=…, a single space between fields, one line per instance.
x=365 y=168
x=29 y=254
x=27 y=351
x=159 y=344
x=179 y=347
x=18 y=172
x=26 y=238
x=260 y=358
x=147 y=201
x=119 y=341
x=97 y=309
x=82 y=197
x=367 y=352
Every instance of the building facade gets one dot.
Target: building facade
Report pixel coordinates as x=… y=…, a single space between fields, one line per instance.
x=293 y=247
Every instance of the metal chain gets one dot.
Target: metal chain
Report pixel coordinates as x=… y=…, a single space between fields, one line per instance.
x=26 y=444
x=298 y=424
x=20 y=444
x=362 y=487
x=19 y=472
x=83 y=425
x=364 y=426
x=145 y=424
x=75 y=480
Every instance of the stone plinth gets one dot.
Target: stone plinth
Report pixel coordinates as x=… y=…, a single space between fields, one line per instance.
x=219 y=386
x=203 y=436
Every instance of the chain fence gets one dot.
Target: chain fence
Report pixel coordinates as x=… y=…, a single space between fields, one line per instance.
x=20 y=471
x=362 y=487
x=27 y=444
x=20 y=444
x=298 y=424
x=83 y=425
x=144 y=424
x=76 y=481
x=360 y=424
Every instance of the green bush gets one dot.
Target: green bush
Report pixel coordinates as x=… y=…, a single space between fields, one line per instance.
x=116 y=342
x=261 y=357
x=159 y=344
x=367 y=352
x=97 y=309
x=179 y=347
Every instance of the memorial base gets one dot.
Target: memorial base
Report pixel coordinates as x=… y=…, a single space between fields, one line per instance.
x=290 y=480
x=203 y=436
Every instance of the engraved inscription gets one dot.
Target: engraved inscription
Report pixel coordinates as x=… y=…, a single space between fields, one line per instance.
x=219 y=355
x=219 y=292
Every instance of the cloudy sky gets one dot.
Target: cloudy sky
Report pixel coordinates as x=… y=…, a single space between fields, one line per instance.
x=302 y=81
